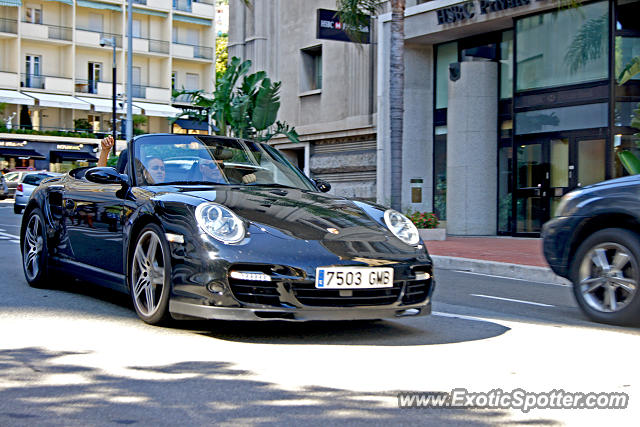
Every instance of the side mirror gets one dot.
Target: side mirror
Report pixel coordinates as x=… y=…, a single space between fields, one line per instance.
x=106 y=175
x=323 y=186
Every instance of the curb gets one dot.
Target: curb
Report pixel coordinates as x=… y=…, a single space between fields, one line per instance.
x=503 y=269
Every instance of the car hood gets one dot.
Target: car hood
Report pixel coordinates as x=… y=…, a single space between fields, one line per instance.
x=341 y=225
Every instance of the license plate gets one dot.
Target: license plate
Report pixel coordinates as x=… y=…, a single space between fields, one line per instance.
x=353 y=277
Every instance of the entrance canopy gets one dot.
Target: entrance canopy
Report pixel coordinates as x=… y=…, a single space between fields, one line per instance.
x=73 y=155
x=15 y=97
x=105 y=105
x=20 y=153
x=158 y=110
x=59 y=101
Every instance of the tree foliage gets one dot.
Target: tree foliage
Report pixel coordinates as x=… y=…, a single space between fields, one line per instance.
x=243 y=105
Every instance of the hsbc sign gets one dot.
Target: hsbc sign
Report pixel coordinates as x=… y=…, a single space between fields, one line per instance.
x=330 y=27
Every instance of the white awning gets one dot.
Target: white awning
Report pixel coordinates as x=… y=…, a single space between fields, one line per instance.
x=106 y=106
x=158 y=110
x=59 y=101
x=15 y=97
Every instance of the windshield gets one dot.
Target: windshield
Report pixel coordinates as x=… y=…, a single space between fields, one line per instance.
x=166 y=160
x=35 y=178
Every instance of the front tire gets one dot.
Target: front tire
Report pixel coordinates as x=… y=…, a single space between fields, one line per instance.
x=150 y=275
x=606 y=275
x=34 y=251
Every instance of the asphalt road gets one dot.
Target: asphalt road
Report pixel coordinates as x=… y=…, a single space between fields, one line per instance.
x=78 y=355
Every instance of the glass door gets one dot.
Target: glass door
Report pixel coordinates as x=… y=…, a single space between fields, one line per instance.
x=549 y=167
x=532 y=176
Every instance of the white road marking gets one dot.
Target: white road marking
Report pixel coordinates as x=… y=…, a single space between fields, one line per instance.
x=510 y=278
x=512 y=300
x=458 y=316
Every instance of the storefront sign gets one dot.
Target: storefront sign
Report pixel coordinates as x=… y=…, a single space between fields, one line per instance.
x=69 y=147
x=330 y=27
x=464 y=11
x=12 y=144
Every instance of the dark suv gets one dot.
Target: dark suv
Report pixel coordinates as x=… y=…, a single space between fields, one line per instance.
x=594 y=241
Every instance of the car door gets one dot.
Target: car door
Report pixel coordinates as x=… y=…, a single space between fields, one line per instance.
x=92 y=219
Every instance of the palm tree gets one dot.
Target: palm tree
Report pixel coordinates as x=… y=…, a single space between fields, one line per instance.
x=353 y=14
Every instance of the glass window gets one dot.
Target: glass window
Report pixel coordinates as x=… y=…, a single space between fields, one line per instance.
x=563 y=47
x=563 y=118
x=440 y=172
x=627 y=48
x=624 y=143
x=591 y=161
x=625 y=113
x=445 y=55
x=505 y=173
x=506 y=65
x=627 y=15
x=311 y=73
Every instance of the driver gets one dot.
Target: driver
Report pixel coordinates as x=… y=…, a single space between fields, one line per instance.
x=155 y=170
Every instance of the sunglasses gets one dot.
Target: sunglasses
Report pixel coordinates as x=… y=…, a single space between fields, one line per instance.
x=157 y=168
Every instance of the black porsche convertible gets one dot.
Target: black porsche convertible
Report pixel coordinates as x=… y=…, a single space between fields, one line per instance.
x=222 y=228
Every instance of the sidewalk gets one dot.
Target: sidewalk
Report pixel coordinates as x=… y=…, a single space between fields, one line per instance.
x=518 y=258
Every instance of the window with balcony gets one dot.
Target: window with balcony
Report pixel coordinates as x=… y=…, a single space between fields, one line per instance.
x=33 y=15
x=311 y=73
x=33 y=72
x=95 y=75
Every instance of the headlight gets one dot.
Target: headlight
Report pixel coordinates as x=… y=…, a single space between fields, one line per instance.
x=220 y=223
x=401 y=227
x=562 y=205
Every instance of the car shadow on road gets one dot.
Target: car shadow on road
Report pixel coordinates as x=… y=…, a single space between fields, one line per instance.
x=431 y=330
x=40 y=388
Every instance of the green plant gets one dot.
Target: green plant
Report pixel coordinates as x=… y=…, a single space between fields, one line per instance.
x=423 y=219
x=244 y=110
x=82 y=125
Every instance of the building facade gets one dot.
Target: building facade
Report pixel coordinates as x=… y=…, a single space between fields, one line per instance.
x=328 y=89
x=508 y=106
x=56 y=73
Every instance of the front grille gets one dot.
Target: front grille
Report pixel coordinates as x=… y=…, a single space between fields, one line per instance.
x=255 y=292
x=416 y=291
x=307 y=294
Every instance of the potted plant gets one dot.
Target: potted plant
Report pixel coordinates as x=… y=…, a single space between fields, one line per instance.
x=427 y=223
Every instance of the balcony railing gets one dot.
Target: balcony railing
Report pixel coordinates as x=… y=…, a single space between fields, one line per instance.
x=103 y=34
x=88 y=86
x=156 y=46
x=183 y=5
x=203 y=52
x=8 y=26
x=56 y=32
x=35 y=81
x=140 y=2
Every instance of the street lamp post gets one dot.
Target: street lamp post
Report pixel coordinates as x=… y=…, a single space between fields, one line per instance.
x=112 y=41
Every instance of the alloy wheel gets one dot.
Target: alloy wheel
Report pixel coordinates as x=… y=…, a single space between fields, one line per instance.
x=608 y=277
x=147 y=274
x=33 y=244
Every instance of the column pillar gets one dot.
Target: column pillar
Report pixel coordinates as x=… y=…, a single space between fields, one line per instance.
x=472 y=135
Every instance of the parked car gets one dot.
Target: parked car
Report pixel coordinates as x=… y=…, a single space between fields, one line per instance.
x=4 y=189
x=594 y=241
x=25 y=187
x=13 y=178
x=241 y=234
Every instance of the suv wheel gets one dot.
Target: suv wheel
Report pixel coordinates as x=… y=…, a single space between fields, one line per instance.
x=606 y=274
